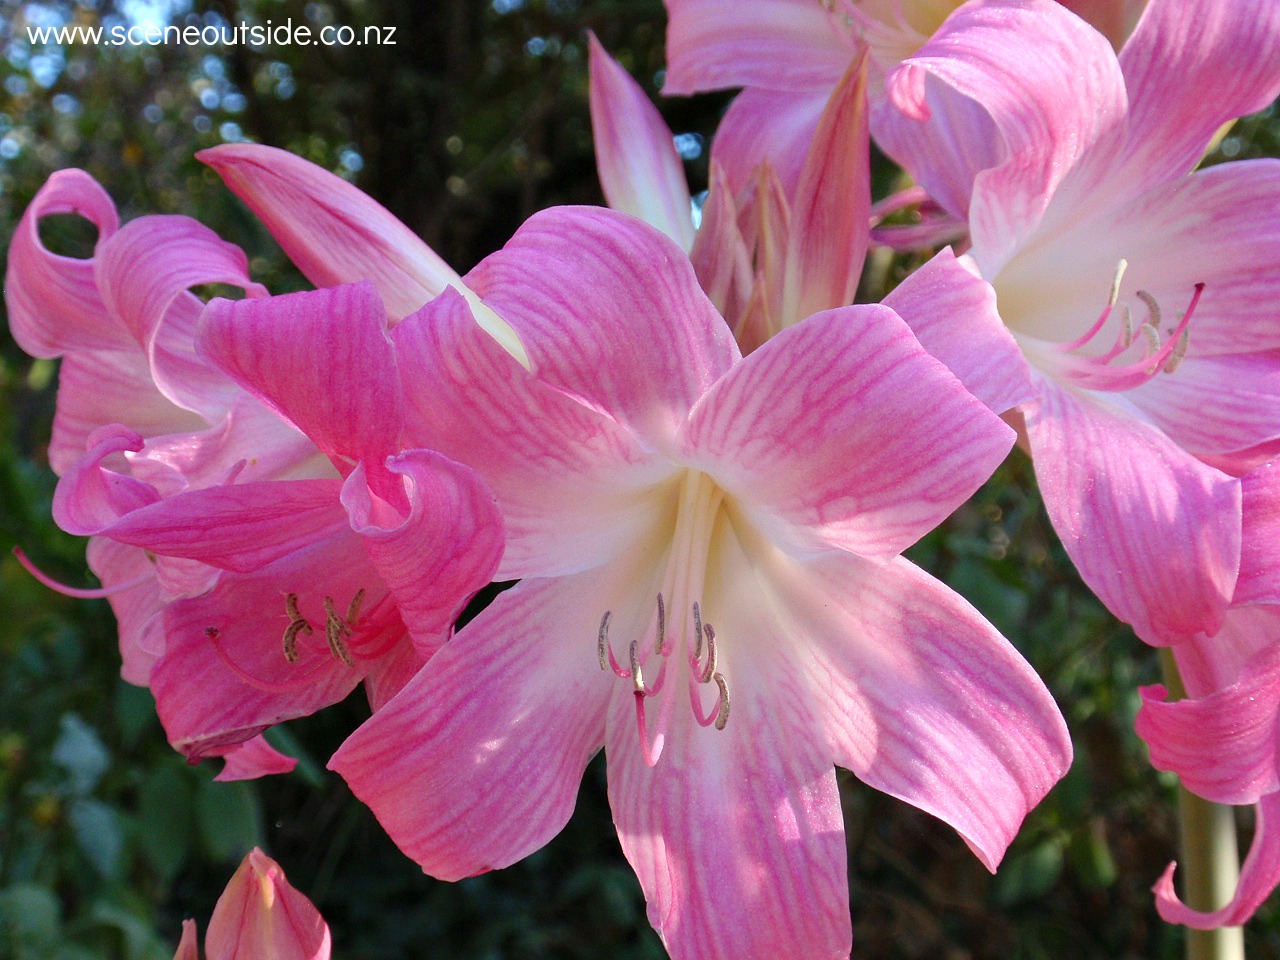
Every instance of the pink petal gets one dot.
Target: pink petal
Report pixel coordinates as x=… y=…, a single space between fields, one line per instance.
x=777 y=126
x=89 y=498
x=144 y=272
x=830 y=214
x=1114 y=19
x=640 y=171
x=138 y=611
x=333 y=232
x=436 y=557
x=919 y=696
x=1258 y=878
x=52 y=300
x=776 y=44
x=611 y=314
x=1222 y=746
x=1210 y=664
x=189 y=945
x=100 y=387
x=1049 y=83
x=952 y=311
x=1190 y=67
x=255 y=758
x=514 y=698
x=1259 y=580
x=321 y=358
x=842 y=432
x=241 y=527
x=1154 y=532
x=736 y=834
x=720 y=256
x=389 y=674
x=571 y=481
x=260 y=914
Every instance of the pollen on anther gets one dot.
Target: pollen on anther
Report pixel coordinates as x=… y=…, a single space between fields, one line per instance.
x=722 y=715
x=1153 y=308
x=637 y=676
x=602 y=641
x=713 y=656
x=697 y=629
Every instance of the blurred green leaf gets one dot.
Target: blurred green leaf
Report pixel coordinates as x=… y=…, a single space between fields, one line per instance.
x=166 y=806
x=81 y=754
x=230 y=822
x=100 y=836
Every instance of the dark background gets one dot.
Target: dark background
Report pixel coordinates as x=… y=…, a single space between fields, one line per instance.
x=473 y=120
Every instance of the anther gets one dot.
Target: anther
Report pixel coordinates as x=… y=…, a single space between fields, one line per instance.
x=602 y=642
x=1179 y=352
x=697 y=630
x=637 y=676
x=291 y=606
x=1153 y=337
x=713 y=658
x=353 y=611
x=1121 y=267
x=722 y=715
x=335 y=629
x=1126 y=326
x=662 y=627
x=1153 y=308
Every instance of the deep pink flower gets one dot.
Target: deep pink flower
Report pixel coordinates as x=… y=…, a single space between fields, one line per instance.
x=256 y=541
x=260 y=916
x=712 y=591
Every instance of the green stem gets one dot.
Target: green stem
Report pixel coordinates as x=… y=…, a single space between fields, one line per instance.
x=1209 y=864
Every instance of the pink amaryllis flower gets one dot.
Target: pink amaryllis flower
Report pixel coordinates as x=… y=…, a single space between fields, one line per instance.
x=1223 y=741
x=260 y=916
x=1141 y=296
x=712 y=591
x=248 y=526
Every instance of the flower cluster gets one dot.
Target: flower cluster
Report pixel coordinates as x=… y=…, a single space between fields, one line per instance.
x=701 y=461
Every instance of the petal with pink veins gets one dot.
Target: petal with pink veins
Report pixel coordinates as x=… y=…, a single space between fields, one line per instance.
x=777 y=44
x=720 y=256
x=255 y=758
x=53 y=300
x=321 y=358
x=1154 y=532
x=1258 y=878
x=335 y=233
x=640 y=171
x=138 y=610
x=1259 y=580
x=952 y=311
x=436 y=557
x=866 y=450
x=89 y=498
x=772 y=125
x=436 y=764
x=262 y=915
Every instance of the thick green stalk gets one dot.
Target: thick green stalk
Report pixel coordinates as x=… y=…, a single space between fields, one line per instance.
x=1209 y=863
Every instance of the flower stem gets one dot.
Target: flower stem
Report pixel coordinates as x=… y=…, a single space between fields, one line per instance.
x=1209 y=862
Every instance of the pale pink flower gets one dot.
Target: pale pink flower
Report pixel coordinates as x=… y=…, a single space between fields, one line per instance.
x=260 y=915
x=712 y=590
x=1142 y=297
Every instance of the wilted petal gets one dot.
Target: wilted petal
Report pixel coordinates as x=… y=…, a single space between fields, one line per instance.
x=255 y=758
x=333 y=232
x=436 y=557
x=841 y=431
x=1154 y=532
x=437 y=764
x=777 y=44
x=952 y=311
x=474 y=403
x=53 y=300
x=1258 y=877
x=261 y=915
x=640 y=171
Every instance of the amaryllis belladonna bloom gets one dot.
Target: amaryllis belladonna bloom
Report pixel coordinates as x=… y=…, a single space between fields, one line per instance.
x=713 y=591
x=260 y=916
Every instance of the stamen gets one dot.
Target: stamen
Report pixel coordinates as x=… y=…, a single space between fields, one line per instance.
x=1179 y=352
x=1126 y=327
x=335 y=630
x=78 y=592
x=291 y=638
x=602 y=641
x=697 y=631
x=722 y=712
x=636 y=675
x=1121 y=267
x=650 y=752
x=291 y=606
x=353 y=611
x=1153 y=337
x=713 y=658
x=1153 y=308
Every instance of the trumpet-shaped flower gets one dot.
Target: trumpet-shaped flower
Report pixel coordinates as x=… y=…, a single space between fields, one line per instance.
x=253 y=558
x=260 y=915
x=1142 y=296
x=712 y=592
